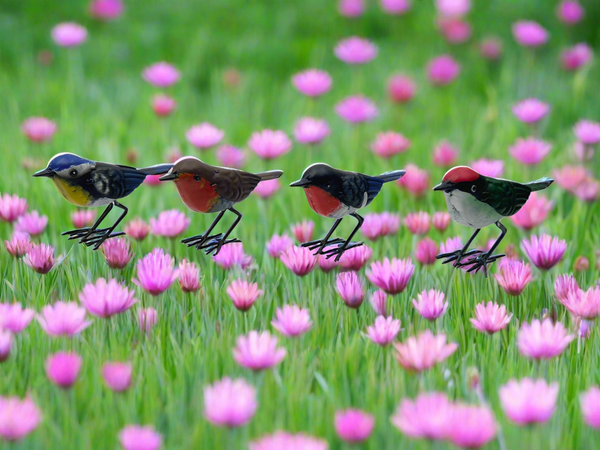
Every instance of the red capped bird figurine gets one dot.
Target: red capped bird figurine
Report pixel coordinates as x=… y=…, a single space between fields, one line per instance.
x=477 y=201
x=210 y=189
x=336 y=194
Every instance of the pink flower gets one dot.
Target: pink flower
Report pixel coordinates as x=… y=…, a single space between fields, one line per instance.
x=282 y=440
x=189 y=276
x=303 y=231
x=106 y=9
x=38 y=129
x=229 y=403
x=384 y=331
x=153 y=180
x=422 y=352
x=571 y=177
x=488 y=167
x=258 y=351
x=533 y=212
x=583 y=304
x=18 y=417
x=31 y=223
x=430 y=304
x=299 y=260
x=356 y=109
x=471 y=426
x=163 y=105
x=12 y=207
x=418 y=222
x=379 y=225
x=136 y=437
x=117 y=376
x=587 y=132
x=401 y=88
x=63 y=319
x=424 y=417
x=355 y=50
x=270 y=144
x=173 y=154
x=355 y=258
x=590 y=406
x=6 y=340
x=588 y=191
x=544 y=251
x=309 y=130
x=156 y=272
x=83 y=217
x=204 y=136
x=232 y=255
x=543 y=340
x=570 y=12
x=147 y=319
x=453 y=8
x=354 y=425
x=563 y=286
x=528 y=401
x=491 y=48
x=161 y=74
x=444 y=154
x=530 y=151
x=389 y=144
x=531 y=110
x=292 y=321
x=395 y=7
x=441 y=220
x=117 y=253
x=529 y=33
x=416 y=181
x=576 y=57
x=391 y=276
x=455 y=31
x=379 y=303
x=266 y=189
x=15 y=318
x=426 y=251
x=170 y=223
x=105 y=299
x=230 y=156
x=442 y=70
x=19 y=244
x=40 y=258
x=513 y=276
x=279 y=244
x=581 y=264
x=312 y=82
x=137 y=229
x=327 y=265
x=63 y=368
x=69 y=34
x=243 y=294
x=351 y=8
x=350 y=288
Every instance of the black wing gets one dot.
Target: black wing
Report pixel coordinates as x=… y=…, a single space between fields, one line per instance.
x=505 y=196
x=357 y=187
x=113 y=181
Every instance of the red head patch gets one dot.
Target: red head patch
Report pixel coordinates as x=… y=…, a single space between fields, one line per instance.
x=460 y=173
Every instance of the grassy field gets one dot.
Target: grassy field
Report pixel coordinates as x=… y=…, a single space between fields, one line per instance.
x=97 y=97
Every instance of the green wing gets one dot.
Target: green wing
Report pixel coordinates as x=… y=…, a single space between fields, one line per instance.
x=505 y=196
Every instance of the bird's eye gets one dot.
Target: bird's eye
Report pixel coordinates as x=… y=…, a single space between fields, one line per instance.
x=197 y=178
x=473 y=188
x=73 y=173
x=328 y=186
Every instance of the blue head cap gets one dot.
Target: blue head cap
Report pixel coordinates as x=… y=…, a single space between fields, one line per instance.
x=64 y=161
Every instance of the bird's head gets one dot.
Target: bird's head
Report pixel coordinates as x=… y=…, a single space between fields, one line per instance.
x=67 y=166
x=461 y=177
x=318 y=174
x=185 y=167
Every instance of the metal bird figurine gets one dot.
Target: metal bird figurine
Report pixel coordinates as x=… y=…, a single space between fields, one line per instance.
x=209 y=189
x=88 y=183
x=338 y=193
x=477 y=201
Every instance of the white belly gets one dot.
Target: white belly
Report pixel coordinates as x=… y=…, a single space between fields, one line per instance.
x=342 y=211
x=470 y=212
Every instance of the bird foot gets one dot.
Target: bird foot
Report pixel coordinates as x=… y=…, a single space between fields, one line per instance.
x=200 y=240
x=98 y=240
x=82 y=233
x=215 y=245
x=457 y=256
x=479 y=262
x=321 y=244
x=340 y=249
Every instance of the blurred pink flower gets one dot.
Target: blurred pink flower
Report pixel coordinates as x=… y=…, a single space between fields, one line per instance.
x=491 y=48
x=292 y=321
x=117 y=252
x=161 y=74
x=513 y=276
x=588 y=191
x=229 y=403
x=533 y=213
x=379 y=301
x=189 y=276
x=455 y=31
x=63 y=368
x=163 y=105
x=312 y=82
x=40 y=258
x=12 y=207
x=528 y=401
x=243 y=294
x=270 y=144
x=424 y=417
x=233 y=255
x=69 y=34
x=309 y=130
x=441 y=221
x=543 y=340
x=15 y=318
x=453 y=8
x=83 y=218
x=63 y=319
x=19 y=244
x=281 y=440
x=173 y=154
x=587 y=132
x=416 y=181
x=38 y=129
x=570 y=177
x=230 y=156
x=563 y=286
x=351 y=8
x=395 y=7
x=6 y=341
x=258 y=351
x=279 y=244
x=583 y=304
x=117 y=376
x=444 y=154
x=356 y=109
x=353 y=425
x=137 y=437
x=590 y=406
x=531 y=110
x=430 y=304
x=170 y=223
x=529 y=33
x=418 y=222
x=389 y=143
x=442 y=70
x=350 y=288
x=470 y=426
x=544 y=251
x=379 y=225
x=303 y=231
x=204 y=136
x=327 y=265
x=153 y=180
x=391 y=276
x=384 y=331
x=401 y=88
x=106 y=298
x=147 y=319
x=422 y=352
x=299 y=260
x=266 y=189
x=576 y=57
x=488 y=167
x=137 y=229
x=105 y=9
x=355 y=50
x=570 y=12
x=156 y=272
x=581 y=264
x=426 y=251
x=18 y=417
x=355 y=258
x=490 y=318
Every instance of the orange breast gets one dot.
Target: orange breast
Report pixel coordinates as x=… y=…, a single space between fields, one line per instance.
x=322 y=202
x=199 y=196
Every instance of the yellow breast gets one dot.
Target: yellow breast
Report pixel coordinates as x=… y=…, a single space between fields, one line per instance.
x=73 y=194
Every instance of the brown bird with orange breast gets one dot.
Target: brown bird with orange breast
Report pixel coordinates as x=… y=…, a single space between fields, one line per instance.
x=210 y=189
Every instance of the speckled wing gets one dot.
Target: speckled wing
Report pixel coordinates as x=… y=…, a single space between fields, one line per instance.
x=359 y=190
x=505 y=196
x=113 y=181
x=233 y=185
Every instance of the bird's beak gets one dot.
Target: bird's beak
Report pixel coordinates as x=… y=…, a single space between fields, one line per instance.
x=443 y=186
x=300 y=183
x=44 y=173
x=169 y=176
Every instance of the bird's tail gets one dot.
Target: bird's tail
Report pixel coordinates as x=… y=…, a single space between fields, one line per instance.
x=270 y=175
x=391 y=176
x=157 y=169
x=540 y=184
